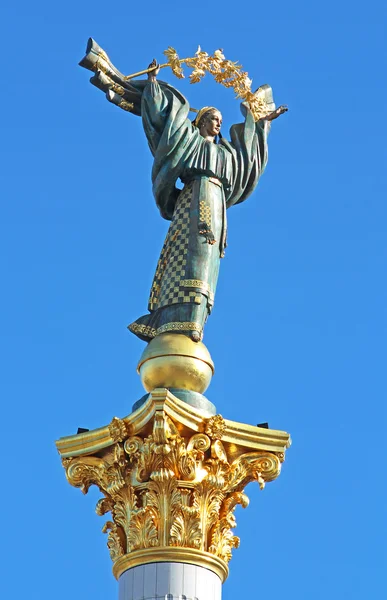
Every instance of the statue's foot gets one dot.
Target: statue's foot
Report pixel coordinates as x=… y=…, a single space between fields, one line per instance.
x=195 y=336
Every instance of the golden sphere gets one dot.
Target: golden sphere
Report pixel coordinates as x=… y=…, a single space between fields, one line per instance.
x=173 y=360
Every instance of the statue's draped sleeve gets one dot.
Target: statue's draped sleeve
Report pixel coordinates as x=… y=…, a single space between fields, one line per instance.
x=248 y=149
x=171 y=138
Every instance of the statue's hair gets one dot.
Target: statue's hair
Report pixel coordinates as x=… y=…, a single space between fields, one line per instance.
x=202 y=112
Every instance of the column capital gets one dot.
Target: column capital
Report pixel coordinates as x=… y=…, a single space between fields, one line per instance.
x=171 y=479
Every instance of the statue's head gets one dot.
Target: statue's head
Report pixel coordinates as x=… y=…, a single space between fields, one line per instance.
x=208 y=121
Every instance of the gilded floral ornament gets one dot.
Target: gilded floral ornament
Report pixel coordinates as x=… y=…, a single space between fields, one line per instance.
x=168 y=490
x=215 y=427
x=117 y=430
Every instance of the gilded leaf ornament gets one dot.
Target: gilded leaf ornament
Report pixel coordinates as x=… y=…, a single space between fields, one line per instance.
x=164 y=489
x=115 y=540
x=117 y=430
x=215 y=427
x=224 y=71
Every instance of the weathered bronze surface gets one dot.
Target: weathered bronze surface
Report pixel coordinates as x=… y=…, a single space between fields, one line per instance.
x=215 y=174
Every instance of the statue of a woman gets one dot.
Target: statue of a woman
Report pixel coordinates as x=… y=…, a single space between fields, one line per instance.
x=216 y=174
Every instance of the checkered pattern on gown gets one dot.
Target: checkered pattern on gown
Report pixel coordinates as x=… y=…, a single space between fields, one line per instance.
x=171 y=267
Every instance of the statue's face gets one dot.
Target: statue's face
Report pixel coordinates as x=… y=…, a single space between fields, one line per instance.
x=211 y=124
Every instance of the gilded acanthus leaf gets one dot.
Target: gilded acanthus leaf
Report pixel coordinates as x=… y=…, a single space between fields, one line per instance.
x=103 y=506
x=86 y=471
x=163 y=489
x=207 y=500
x=185 y=529
x=223 y=540
x=143 y=531
x=125 y=506
x=115 y=541
x=253 y=466
x=232 y=500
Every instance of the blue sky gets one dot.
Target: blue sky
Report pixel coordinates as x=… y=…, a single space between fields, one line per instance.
x=298 y=331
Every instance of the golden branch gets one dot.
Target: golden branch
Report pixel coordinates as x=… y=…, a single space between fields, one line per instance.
x=224 y=71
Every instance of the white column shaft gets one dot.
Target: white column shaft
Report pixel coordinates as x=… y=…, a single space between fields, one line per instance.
x=169 y=581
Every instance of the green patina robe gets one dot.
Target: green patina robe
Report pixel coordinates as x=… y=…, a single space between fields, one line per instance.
x=215 y=177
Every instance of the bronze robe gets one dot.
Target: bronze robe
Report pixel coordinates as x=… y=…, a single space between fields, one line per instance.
x=215 y=177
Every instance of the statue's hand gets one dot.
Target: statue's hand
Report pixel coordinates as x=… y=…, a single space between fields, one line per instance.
x=155 y=69
x=276 y=113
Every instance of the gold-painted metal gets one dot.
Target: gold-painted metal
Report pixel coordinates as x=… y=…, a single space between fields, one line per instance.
x=128 y=106
x=145 y=71
x=224 y=71
x=143 y=329
x=205 y=213
x=235 y=435
x=171 y=554
x=175 y=361
x=202 y=112
x=118 y=89
x=118 y=430
x=181 y=345
x=196 y=283
x=216 y=426
x=171 y=478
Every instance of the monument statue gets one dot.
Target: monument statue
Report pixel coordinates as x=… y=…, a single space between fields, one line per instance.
x=172 y=472
x=215 y=174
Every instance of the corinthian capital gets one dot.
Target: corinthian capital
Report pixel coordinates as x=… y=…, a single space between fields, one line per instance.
x=171 y=480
